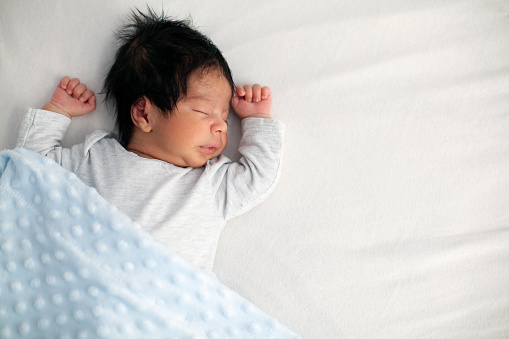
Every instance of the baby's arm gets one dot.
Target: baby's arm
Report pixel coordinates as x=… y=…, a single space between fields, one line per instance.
x=42 y=130
x=242 y=185
x=252 y=101
x=71 y=98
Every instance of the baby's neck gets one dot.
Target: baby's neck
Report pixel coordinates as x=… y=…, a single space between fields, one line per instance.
x=139 y=153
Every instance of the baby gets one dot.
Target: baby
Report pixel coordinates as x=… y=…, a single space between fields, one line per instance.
x=173 y=90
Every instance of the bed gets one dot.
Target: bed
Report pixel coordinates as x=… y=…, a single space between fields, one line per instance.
x=391 y=217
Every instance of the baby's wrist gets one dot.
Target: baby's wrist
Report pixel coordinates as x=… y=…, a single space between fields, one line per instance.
x=258 y=115
x=49 y=106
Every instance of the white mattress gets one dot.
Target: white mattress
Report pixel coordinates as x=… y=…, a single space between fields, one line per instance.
x=391 y=218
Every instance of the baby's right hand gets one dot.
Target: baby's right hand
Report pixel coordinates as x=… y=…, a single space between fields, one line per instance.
x=71 y=98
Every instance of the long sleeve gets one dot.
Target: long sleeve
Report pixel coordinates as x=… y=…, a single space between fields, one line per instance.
x=42 y=131
x=244 y=184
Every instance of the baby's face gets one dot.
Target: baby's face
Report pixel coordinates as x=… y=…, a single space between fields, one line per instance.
x=196 y=131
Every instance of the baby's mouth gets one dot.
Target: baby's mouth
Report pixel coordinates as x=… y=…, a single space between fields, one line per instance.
x=209 y=149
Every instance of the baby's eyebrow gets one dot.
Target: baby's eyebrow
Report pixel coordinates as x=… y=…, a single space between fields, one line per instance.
x=198 y=97
x=202 y=98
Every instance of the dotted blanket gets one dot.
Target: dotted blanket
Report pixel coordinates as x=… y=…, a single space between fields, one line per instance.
x=73 y=266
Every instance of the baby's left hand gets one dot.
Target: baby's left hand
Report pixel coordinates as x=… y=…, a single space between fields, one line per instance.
x=252 y=101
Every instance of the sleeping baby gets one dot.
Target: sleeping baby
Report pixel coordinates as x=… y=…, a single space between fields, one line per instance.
x=172 y=90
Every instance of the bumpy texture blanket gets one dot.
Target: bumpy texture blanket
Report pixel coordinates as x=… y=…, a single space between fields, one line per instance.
x=71 y=265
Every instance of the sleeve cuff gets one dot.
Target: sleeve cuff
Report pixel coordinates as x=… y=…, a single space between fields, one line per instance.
x=262 y=124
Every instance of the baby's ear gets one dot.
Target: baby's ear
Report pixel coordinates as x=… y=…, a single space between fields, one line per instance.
x=140 y=114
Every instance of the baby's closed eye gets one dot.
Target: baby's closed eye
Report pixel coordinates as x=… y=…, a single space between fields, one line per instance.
x=201 y=111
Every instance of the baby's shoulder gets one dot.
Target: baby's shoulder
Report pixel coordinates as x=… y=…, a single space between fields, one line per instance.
x=101 y=142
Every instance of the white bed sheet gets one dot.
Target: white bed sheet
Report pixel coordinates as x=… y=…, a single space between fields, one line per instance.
x=391 y=219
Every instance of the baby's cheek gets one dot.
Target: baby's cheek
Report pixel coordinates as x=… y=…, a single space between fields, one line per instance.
x=225 y=142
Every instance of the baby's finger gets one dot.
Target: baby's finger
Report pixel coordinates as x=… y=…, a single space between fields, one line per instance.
x=79 y=90
x=239 y=90
x=266 y=93
x=88 y=94
x=72 y=84
x=248 y=96
x=257 y=92
x=64 y=82
x=90 y=102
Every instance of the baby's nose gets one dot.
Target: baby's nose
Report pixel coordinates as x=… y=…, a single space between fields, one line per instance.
x=220 y=126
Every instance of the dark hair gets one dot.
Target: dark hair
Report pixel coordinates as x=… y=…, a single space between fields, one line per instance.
x=156 y=57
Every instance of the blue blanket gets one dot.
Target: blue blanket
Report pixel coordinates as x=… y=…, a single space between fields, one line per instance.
x=73 y=266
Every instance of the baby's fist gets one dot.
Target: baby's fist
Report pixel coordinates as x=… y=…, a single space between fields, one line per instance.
x=252 y=101
x=71 y=98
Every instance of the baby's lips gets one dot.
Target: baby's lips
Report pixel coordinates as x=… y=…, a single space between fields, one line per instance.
x=209 y=149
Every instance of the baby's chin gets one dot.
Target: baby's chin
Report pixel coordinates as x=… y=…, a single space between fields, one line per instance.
x=203 y=158
x=197 y=163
